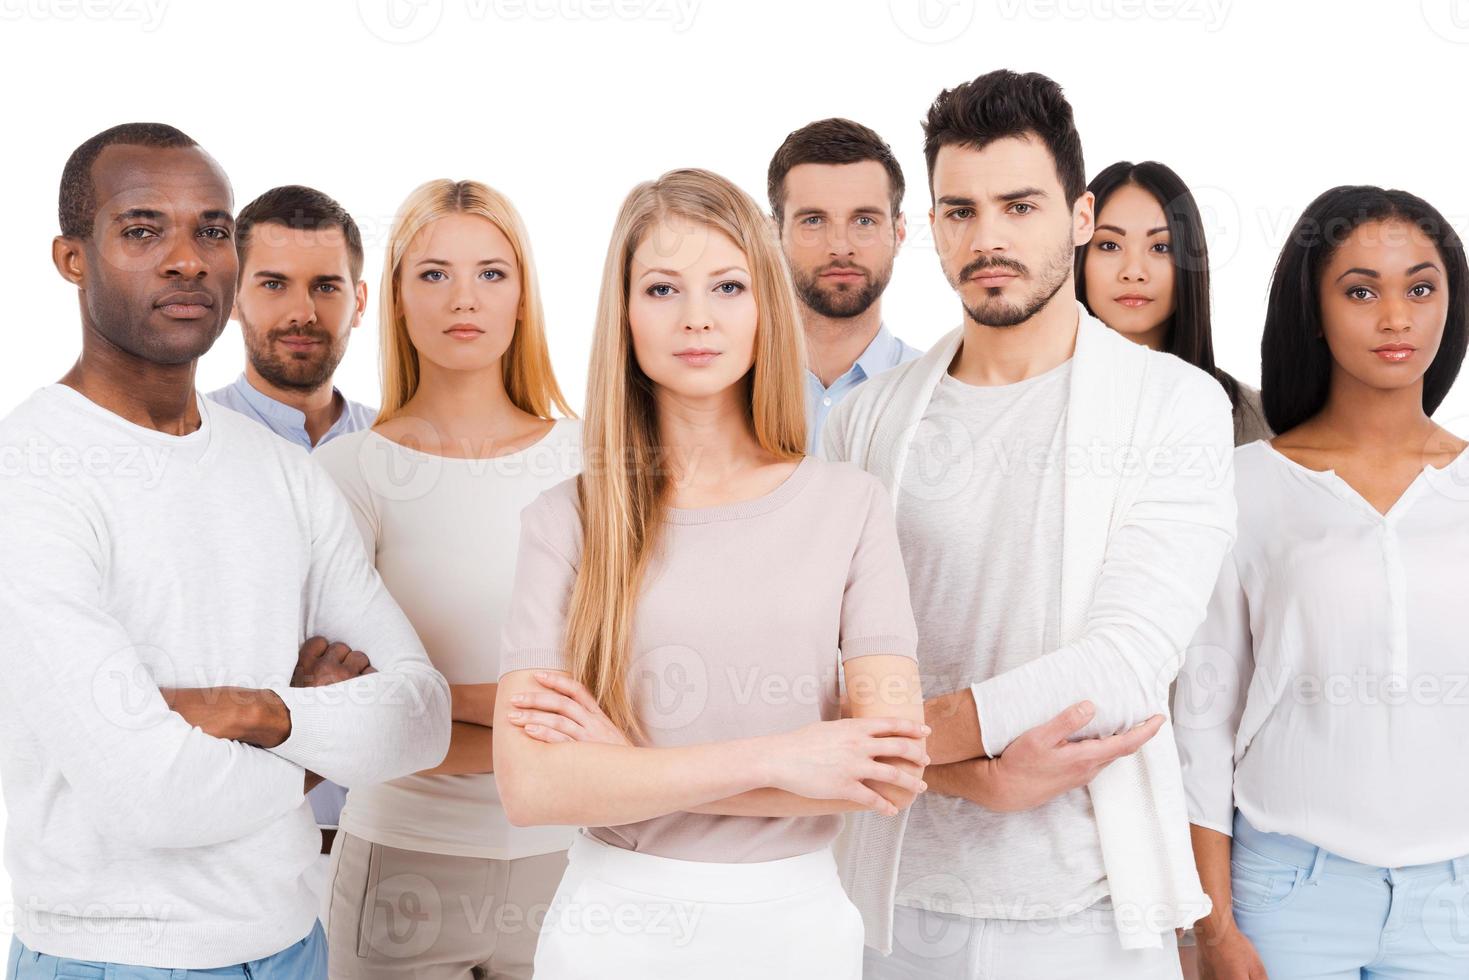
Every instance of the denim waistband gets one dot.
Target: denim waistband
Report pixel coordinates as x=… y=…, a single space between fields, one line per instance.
x=1317 y=860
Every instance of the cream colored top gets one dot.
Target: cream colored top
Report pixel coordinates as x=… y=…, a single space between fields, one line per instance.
x=443 y=533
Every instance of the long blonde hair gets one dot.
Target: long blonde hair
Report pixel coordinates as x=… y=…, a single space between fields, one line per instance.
x=526 y=364
x=624 y=484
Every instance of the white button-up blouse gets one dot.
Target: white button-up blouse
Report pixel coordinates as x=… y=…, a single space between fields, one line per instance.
x=1327 y=693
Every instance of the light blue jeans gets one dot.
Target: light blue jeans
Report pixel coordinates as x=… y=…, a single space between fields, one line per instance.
x=1313 y=914
x=303 y=960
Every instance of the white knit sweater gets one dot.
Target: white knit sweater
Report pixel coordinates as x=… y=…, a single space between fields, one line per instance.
x=1149 y=456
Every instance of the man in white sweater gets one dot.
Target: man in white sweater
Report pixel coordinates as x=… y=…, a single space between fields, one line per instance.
x=162 y=560
x=1064 y=503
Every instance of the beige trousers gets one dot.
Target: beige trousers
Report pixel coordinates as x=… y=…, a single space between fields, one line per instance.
x=410 y=915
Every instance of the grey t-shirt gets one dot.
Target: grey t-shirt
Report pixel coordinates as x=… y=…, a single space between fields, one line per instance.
x=980 y=529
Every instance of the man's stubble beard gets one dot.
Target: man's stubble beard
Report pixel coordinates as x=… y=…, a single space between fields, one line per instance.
x=1057 y=271
x=289 y=372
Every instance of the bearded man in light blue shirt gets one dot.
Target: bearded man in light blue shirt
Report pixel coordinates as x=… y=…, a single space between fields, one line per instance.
x=836 y=197
x=301 y=295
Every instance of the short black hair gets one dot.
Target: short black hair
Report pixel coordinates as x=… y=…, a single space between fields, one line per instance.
x=1295 y=361
x=1003 y=104
x=303 y=209
x=831 y=141
x=77 y=204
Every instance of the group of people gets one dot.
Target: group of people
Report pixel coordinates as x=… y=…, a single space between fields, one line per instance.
x=804 y=653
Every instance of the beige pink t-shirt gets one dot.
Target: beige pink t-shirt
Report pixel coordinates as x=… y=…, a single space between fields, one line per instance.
x=746 y=615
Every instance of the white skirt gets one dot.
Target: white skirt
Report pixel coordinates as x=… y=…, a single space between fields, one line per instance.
x=621 y=914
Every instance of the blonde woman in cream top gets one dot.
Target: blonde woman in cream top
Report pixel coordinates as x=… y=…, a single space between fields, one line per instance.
x=429 y=879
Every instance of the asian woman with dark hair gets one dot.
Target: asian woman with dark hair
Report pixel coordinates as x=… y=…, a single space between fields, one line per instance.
x=1145 y=274
x=1319 y=697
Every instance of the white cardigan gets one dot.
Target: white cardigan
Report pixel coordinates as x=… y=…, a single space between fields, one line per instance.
x=1149 y=446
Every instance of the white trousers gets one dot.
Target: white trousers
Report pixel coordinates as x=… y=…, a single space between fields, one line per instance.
x=941 y=946
x=621 y=914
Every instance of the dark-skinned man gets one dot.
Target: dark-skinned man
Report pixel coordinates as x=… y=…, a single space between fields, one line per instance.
x=163 y=562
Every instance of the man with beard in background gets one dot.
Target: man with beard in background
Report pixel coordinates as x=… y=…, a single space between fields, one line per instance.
x=836 y=194
x=300 y=296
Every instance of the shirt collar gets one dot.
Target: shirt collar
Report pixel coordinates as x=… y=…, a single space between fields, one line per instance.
x=280 y=412
x=883 y=353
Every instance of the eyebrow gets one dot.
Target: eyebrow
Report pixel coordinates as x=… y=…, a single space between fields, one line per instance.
x=861 y=209
x=674 y=272
x=450 y=262
x=1023 y=192
x=1119 y=231
x=151 y=214
x=267 y=274
x=1373 y=274
x=1015 y=195
x=132 y=214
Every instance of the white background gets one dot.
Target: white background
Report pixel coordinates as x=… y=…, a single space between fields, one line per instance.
x=565 y=104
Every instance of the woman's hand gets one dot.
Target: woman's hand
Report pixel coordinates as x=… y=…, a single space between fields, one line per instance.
x=564 y=712
x=835 y=760
x=828 y=760
x=1228 y=955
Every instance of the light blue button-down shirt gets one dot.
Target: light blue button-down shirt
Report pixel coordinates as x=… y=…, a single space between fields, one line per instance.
x=883 y=354
x=287 y=422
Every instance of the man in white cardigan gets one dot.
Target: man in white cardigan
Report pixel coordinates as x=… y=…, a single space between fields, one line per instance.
x=1064 y=501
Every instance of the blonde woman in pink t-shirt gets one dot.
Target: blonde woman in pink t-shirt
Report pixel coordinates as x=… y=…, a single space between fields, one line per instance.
x=683 y=615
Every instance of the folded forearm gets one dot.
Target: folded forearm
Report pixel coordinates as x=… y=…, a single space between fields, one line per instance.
x=471 y=750
x=205 y=791
x=238 y=714
x=594 y=784
x=474 y=703
x=372 y=728
x=1102 y=667
x=959 y=779
x=956 y=727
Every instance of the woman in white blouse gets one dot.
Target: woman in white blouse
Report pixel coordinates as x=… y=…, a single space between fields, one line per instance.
x=1324 y=701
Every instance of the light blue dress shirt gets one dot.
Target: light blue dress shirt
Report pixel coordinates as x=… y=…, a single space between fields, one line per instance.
x=287 y=422
x=883 y=354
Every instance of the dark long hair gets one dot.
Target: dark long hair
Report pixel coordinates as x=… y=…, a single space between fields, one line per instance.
x=1190 y=334
x=1295 y=359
